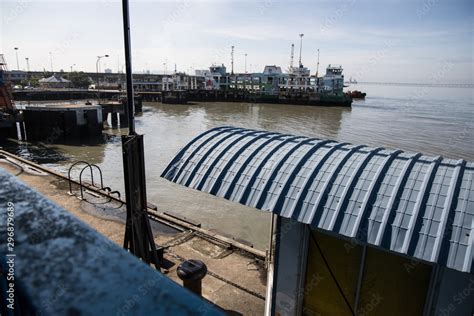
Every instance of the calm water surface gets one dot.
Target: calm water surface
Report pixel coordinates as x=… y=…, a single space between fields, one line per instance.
x=434 y=121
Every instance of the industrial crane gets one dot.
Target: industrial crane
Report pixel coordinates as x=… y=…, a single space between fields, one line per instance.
x=6 y=103
x=292 y=56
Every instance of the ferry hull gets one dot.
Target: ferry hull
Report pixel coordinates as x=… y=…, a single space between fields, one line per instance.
x=296 y=98
x=317 y=100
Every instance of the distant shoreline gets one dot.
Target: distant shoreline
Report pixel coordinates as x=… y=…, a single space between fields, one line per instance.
x=434 y=85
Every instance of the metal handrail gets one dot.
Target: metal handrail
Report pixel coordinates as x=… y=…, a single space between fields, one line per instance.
x=87 y=166
x=69 y=173
x=100 y=172
x=92 y=178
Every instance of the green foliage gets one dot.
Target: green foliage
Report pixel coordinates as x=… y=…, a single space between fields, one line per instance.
x=79 y=79
x=32 y=82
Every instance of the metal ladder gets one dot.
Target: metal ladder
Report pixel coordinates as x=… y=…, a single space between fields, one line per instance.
x=82 y=186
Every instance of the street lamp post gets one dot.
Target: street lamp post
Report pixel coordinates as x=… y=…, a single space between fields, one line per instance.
x=27 y=63
x=28 y=69
x=70 y=72
x=17 y=63
x=245 y=62
x=97 y=71
x=51 y=60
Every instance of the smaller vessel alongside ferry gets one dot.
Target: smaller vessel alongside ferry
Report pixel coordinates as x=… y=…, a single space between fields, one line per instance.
x=356 y=94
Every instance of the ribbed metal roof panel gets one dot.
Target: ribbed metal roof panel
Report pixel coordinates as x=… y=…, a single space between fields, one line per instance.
x=410 y=204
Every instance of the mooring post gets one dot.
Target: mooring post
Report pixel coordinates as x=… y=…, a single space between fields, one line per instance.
x=191 y=272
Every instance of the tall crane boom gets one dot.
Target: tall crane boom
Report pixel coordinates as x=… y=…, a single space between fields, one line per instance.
x=292 y=55
x=301 y=48
x=6 y=103
x=317 y=66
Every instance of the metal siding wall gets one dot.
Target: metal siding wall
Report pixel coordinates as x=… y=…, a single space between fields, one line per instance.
x=456 y=294
x=289 y=273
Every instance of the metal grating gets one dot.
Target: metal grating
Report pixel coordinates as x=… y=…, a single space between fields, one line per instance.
x=410 y=204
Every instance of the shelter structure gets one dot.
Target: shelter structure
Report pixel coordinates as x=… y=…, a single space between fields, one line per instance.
x=357 y=230
x=54 y=82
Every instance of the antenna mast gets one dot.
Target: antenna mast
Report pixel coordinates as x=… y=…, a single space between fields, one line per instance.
x=301 y=46
x=232 y=60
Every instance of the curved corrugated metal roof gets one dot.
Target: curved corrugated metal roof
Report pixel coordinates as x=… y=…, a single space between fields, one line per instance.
x=408 y=203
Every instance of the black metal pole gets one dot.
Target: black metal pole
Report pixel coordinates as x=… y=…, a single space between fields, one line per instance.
x=138 y=237
x=128 y=67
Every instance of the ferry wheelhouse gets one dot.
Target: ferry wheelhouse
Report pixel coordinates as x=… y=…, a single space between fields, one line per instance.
x=272 y=80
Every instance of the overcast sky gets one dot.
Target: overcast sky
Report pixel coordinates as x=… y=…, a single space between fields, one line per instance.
x=391 y=41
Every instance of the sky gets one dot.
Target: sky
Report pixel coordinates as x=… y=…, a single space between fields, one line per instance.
x=427 y=41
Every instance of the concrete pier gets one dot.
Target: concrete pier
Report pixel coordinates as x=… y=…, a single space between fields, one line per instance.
x=236 y=279
x=114 y=119
x=123 y=120
x=183 y=96
x=63 y=122
x=21 y=127
x=174 y=97
x=8 y=127
x=138 y=104
x=63 y=94
x=117 y=111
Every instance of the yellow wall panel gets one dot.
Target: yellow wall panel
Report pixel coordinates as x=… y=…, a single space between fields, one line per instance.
x=322 y=296
x=392 y=285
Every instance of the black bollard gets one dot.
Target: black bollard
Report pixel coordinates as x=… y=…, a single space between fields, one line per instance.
x=192 y=272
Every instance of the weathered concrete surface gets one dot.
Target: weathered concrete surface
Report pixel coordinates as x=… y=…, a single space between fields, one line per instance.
x=234 y=267
x=66 y=268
